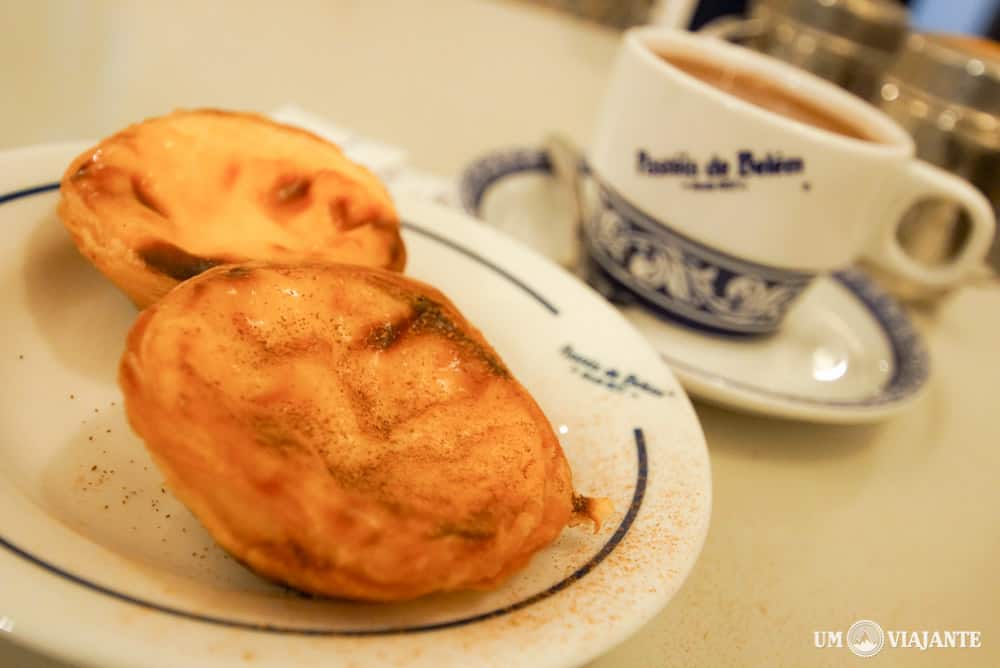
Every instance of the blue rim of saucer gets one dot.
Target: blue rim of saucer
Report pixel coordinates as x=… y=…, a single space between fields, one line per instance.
x=911 y=363
x=477 y=177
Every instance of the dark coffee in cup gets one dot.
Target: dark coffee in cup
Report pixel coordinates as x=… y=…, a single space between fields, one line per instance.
x=764 y=94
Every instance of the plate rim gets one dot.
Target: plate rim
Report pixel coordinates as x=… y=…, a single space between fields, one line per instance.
x=912 y=366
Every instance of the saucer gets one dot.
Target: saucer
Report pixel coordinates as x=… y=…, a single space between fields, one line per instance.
x=846 y=353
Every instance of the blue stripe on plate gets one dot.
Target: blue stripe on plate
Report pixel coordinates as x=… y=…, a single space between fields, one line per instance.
x=486 y=263
x=28 y=192
x=613 y=542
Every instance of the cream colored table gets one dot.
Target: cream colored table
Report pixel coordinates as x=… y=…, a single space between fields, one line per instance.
x=813 y=527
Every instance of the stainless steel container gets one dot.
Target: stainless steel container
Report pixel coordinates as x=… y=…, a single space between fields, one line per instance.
x=618 y=14
x=848 y=42
x=945 y=90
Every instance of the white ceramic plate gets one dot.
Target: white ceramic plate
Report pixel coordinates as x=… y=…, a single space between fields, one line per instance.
x=847 y=352
x=99 y=565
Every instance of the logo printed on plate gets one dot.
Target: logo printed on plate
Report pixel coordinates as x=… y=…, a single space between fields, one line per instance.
x=608 y=376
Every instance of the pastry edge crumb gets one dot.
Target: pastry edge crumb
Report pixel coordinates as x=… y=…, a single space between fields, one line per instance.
x=590 y=510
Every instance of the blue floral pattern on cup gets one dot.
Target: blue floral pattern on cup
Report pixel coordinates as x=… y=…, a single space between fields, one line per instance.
x=684 y=279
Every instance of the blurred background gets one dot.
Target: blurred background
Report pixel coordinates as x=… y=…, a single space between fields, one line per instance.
x=933 y=65
x=974 y=17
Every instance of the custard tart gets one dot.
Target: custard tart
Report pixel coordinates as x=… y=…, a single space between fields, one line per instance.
x=170 y=197
x=346 y=431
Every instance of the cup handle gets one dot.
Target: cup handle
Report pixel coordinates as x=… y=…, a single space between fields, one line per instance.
x=920 y=181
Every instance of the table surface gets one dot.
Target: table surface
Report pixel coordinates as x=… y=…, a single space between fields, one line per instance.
x=813 y=527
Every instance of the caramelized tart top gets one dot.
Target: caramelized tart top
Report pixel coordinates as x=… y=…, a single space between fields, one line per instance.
x=345 y=430
x=194 y=189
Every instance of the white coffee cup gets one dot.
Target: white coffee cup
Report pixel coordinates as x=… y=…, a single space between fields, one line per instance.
x=720 y=212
